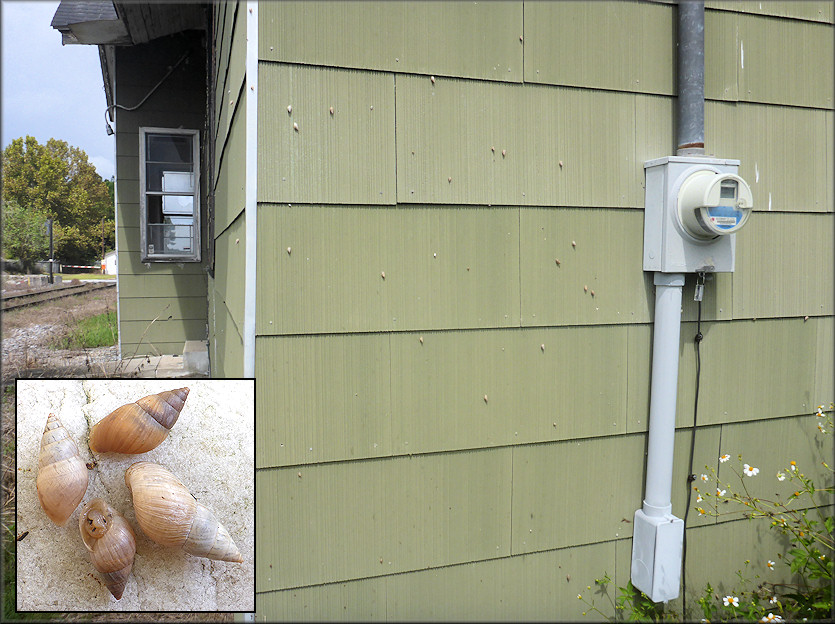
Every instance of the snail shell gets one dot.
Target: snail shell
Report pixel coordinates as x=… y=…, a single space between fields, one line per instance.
x=62 y=474
x=171 y=516
x=138 y=427
x=110 y=540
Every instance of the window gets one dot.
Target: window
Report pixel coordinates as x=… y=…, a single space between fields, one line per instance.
x=169 y=195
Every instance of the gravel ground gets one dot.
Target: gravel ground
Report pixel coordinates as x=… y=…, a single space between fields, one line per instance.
x=27 y=334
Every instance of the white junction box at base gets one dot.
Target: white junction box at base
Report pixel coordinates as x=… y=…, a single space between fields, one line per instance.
x=656 y=556
x=668 y=246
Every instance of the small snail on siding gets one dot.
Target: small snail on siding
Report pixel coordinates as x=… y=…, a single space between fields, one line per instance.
x=171 y=516
x=138 y=427
x=62 y=474
x=111 y=542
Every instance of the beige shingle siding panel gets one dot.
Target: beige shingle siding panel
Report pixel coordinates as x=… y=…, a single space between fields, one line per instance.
x=228 y=344
x=322 y=398
x=784 y=266
x=231 y=71
x=782 y=61
x=230 y=267
x=655 y=134
x=361 y=601
x=825 y=362
x=410 y=512
x=130 y=264
x=789 y=439
x=598 y=474
x=465 y=39
x=606 y=260
x=328 y=401
x=625 y=46
x=721 y=56
x=174 y=285
x=164 y=332
x=750 y=370
x=447 y=129
x=230 y=191
x=537 y=586
x=149 y=307
x=785 y=153
x=814 y=11
x=533 y=394
x=332 y=281
x=347 y=157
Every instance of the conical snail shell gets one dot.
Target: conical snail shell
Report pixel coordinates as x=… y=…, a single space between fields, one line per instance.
x=170 y=515
x=110 y=540
x=138 y=427
x=62 y=474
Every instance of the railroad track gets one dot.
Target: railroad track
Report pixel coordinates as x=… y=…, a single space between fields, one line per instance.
x=12 y=301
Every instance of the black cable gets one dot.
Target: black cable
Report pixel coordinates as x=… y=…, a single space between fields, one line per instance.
x=691 y=477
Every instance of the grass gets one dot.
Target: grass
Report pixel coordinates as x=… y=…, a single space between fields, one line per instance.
x=88 y=333
x=67 y=277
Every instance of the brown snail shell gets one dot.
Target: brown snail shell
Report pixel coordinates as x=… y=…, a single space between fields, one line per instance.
x=171 y=516
x=111 y=542
x=138 y=427
x=62 y=474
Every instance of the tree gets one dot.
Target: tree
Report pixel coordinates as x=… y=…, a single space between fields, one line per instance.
x=57 y=180
x=24 y=235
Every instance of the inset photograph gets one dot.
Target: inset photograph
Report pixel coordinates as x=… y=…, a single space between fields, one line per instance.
x=135 y=495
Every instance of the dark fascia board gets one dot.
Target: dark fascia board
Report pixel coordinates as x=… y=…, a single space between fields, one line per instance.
x=89 y=22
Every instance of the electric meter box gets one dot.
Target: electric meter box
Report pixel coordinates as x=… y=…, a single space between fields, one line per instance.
x=694 y=205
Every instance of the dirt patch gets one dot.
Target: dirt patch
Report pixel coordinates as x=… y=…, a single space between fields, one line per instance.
x=29 y=333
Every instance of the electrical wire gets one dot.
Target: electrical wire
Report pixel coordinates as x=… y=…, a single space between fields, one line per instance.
x=691 y=477
x=107 y=111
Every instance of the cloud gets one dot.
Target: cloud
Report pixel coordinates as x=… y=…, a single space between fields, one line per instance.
x=50 y=90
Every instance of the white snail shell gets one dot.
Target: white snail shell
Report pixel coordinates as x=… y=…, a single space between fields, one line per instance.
x=111 y=542
x=171 y=516
x=62 y=474
x=138 y=427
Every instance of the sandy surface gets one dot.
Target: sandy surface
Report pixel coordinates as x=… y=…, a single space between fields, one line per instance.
x=211 y=450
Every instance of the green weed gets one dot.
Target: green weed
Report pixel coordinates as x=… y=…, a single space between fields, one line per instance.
x=95 y=331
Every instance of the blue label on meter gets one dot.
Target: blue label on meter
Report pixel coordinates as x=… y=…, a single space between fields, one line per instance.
x=724 y=217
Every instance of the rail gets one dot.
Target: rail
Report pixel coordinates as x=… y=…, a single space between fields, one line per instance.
x=13 y=301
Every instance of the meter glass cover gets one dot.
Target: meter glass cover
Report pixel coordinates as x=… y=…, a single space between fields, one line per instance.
x=727 y=190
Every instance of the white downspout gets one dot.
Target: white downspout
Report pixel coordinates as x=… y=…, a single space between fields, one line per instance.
x=662 y=409
x=251 y=192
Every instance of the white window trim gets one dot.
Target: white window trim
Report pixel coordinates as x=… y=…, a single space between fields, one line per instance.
x=143 y=209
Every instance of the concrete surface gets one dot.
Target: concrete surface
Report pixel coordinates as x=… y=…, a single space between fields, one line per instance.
x=210 y=448
x=196 y=356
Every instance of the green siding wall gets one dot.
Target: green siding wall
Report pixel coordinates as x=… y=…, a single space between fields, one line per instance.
x=161 y=305
x=453 y=344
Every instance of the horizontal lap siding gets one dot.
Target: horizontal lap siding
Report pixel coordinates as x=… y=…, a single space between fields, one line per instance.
x=436 y=390
x=161 y=304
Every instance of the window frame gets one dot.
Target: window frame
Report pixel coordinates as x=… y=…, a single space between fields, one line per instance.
x=195 y=255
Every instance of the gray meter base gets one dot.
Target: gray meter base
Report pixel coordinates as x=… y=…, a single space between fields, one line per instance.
x=668 y=248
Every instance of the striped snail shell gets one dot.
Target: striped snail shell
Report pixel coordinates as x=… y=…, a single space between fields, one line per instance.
x=62 y=474
x=171 y=516
x=138 y=427
x=110 y=540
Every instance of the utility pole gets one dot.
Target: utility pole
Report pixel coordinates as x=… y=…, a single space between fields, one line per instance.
x=49 y=231
x=102 y=245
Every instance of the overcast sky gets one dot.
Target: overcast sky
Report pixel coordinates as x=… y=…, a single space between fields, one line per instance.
x=50 y=90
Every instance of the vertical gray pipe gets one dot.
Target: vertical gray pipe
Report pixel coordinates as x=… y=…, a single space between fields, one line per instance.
x=691 y=77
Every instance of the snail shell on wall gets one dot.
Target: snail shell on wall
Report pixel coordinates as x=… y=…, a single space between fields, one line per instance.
x=170 y=515
x=62 y=474
x=138 y=427
x=111 y=542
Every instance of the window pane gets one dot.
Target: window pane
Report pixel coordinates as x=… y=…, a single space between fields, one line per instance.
x=170 y=148
x=170 y=225
x=167 y=177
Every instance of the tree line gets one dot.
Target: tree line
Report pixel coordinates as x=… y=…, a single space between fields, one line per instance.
x=54 y=180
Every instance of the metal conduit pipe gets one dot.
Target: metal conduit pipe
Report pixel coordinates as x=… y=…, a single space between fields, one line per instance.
x=691 y=78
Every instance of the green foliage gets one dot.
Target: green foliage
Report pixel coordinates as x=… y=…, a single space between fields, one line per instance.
x=24 y=234
x=95 y=331
x=57 y=180
x=804 y=517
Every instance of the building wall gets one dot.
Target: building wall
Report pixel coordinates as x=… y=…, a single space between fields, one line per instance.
x=453 y=328
x=161 y=304
x=226 y=287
